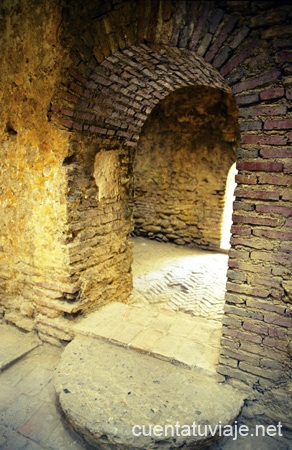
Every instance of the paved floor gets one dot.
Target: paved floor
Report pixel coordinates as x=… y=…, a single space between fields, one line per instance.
x=30 y=418
x=173 y=336
x=15 y=345
x=179 y=278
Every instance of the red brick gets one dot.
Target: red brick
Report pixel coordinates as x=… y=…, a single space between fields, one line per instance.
x=253 y=139
x=260 y=280
x=273 y=234
x=265 y=305
x=263 y=166
x=277 y=333
x=67 y=112
x=68 y=96
x=77 y=76
x=55 y=108
x=230 y=343
x=277 y=31
x=225 y=32
x=287 y=196
x=238 y=374
x=273 y=209
x=247 y=99
x=67 y=123
x=96 y=129
x=285 y=260
x=266 y=110
x=261 y=372
x=78 y=126
x=285 y=124
x=272 y=364
x=255 y=220
x=257 y=81
x=271 y=94
x=240 y=230
x=233 y=299
x=242 y=312
x=256 y=328
x=276 y=152
x=245 y=179
x=233 y=264
x=241 y=356
x=238 y=254
x=247 y=290
x=262 y=256
x=281 y=321
x=226 y=359
x=276 y=343
x=285 y=247
x=76 y=88
x=199 y=26
x=284 y=180
x=235 y=275
x=238 y=59
x=242 y=335
x=256 y=194
x=251 y=242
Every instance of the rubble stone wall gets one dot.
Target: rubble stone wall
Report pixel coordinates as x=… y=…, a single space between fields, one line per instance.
x=33 y=182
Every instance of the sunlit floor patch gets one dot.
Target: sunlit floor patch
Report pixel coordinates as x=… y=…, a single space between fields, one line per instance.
x=179 y=278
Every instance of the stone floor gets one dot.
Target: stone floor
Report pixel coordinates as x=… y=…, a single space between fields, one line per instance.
x=151 y=326
x=193 y=342
x=179 y=278
x=29 y=415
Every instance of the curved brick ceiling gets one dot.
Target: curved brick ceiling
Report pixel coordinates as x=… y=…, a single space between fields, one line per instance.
x=120 y=93
x=114 y=79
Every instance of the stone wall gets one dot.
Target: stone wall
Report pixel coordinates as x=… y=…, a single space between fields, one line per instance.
x=33 y=182
x=79 y=78
x=183 y=157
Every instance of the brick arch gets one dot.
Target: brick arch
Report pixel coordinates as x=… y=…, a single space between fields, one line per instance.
x=119 y=94
x=240 y=42
x=248 y=47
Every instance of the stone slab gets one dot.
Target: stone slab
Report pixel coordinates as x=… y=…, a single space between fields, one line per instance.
x=173 y=336
x=104 y=390
x=14 y=345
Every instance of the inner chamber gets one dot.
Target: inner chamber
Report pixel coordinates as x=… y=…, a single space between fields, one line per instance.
x=183 y=192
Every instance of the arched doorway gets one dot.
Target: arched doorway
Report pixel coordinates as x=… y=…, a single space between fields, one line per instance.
x=181 y=173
